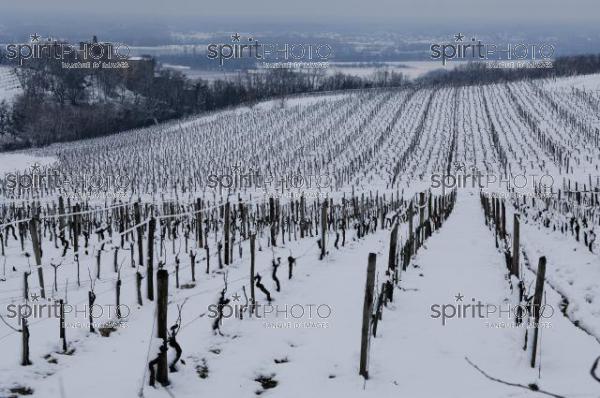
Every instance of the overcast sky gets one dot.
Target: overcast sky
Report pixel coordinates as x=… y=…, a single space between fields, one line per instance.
x=336 y=11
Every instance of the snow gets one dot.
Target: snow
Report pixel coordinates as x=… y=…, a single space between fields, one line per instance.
x=583 y=82
x=414 y=348
x=411 y=69
x=410 y=347
x=21 y=161
x=572 y=270
x=399 y=139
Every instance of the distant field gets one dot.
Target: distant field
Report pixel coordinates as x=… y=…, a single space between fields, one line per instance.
x=411 y=69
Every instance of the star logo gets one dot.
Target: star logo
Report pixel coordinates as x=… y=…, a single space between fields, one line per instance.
x=34 y=297
x=236 y=297
x=35 y=37
x=236 y=168
x=235 y=37
x=459 y=37
x=459 y=166
x=459 y=297
x=35 y=168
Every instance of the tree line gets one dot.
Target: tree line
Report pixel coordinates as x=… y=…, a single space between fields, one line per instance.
x=481 y=73
x=63 y=104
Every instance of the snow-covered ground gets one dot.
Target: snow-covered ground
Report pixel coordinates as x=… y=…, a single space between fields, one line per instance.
x=412 y=346
x=410 y=69
x=19 y=161
x=418 y=356
x=583 y=82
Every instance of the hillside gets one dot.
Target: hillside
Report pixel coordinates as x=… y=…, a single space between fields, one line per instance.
x=465 y=195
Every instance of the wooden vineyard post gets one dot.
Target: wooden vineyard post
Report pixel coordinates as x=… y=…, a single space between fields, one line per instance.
x=503 y=220
x=25 y=361
x=61 y=211
x=138 y=282
x=515 y=249
x=302 y=205
x=393 y=246
x=242 y=212
x=26 y=285
x=497 y=215
x=193 y=266
x=37 y=251
x=252 y=257
x=392 y=255
x=63 y=335
x=199 y=223
x=118 y=295
x=75 y=228
x=421 y=217
x=226 y=220
x=367 y=311
x=497 y=220
x=486 y=212
x=207 y=258
x=273 y=226
x=410 y=227
x=429 y=213
x=162 y=284
x=98 y=263
x=138 y=220
x=323 y=228
x=150 y=269
x=382 y=209
x=115 y=259
x=91 y=300
x=537 y=303
x=344 y=222
x=282 y=222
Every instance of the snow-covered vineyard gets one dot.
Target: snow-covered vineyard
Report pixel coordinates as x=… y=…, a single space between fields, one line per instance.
x=414 y=243
x=9 y=83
